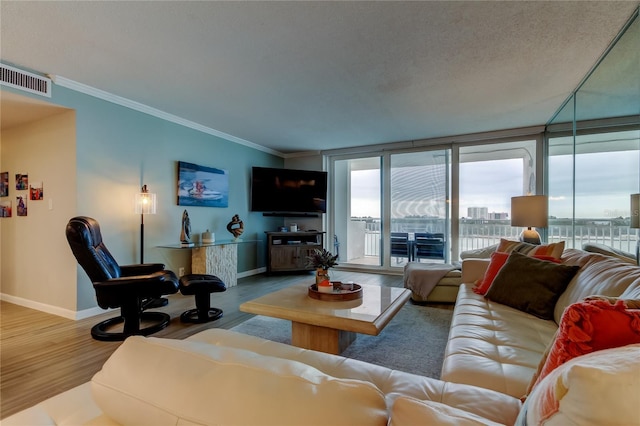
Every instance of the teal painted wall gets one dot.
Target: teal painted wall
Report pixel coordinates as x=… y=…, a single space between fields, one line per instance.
x=119 y=149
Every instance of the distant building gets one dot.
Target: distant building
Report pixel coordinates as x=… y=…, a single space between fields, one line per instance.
x=498 y=216
x=478 y=212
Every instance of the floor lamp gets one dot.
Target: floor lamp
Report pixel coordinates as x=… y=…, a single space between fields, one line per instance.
x=635 y=221
x=530 y=211
x=145 y=204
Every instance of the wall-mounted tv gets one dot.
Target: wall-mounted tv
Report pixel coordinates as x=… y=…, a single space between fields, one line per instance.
x=288 y=191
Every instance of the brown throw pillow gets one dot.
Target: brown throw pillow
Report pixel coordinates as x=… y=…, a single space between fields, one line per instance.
x=531 y=285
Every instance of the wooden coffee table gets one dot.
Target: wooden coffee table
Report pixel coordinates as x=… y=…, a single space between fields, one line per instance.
x=329 y=326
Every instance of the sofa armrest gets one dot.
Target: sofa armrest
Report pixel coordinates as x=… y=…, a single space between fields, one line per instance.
x=492 y=405
x=141 y=269
x=473 y=269
x=412 y=411
x=72 y=407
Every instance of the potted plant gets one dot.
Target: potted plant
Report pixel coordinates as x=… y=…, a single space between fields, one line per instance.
x=322 y=260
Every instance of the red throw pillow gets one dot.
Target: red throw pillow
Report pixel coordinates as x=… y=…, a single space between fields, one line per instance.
x=591 y=326
x=498 y=259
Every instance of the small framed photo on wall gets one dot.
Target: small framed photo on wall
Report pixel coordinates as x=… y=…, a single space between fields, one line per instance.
x=21 y=206
x=22 y=181
x=5 y=208
x=36 y=191
x=4 y=184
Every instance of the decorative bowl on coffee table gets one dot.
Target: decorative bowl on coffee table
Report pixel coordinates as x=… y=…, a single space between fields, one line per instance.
x=341 y=292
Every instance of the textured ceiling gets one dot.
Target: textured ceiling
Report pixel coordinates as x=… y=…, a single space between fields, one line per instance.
x=297 y=76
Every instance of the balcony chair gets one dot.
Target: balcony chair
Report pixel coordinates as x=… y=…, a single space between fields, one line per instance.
x=126 y=287
x=428 y=246
x=400 y=245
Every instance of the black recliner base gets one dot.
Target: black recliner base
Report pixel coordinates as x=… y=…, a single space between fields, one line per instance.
x=154 y=303
x=198 y=316
x=100 y=331
x=201 y=286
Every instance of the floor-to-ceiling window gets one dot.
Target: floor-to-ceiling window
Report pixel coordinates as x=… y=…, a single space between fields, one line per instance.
x=397 y=206
x=490 y=174
x=591 y=178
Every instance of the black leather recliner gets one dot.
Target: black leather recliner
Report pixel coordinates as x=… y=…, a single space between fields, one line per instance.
x=124 y=287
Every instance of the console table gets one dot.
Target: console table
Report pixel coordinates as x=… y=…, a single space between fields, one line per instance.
x=219 y=258
x=288 y=251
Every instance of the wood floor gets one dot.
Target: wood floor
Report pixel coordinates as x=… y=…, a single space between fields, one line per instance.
x=42 y=355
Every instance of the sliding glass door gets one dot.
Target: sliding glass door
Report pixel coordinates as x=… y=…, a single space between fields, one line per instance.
x=419 y=207
x=357 y=210
x=382 y=202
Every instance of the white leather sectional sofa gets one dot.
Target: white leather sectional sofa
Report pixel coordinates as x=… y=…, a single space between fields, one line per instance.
x=221 y=377
x=498 y=347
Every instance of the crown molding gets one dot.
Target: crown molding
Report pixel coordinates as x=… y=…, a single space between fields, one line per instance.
x=137 y=106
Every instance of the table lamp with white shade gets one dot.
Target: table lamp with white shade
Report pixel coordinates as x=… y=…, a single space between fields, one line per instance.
x=530 y=211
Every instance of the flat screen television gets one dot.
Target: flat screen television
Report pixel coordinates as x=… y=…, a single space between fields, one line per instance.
x=288 y=191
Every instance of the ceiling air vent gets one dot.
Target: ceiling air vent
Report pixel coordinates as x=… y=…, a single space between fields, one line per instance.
x=23 y=80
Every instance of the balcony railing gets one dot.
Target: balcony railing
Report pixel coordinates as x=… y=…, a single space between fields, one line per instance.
x=478 y=235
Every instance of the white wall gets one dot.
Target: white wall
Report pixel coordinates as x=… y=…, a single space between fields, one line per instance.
x=38 y=269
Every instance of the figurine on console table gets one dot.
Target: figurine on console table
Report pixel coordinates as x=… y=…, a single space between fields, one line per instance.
x=185 y=233
x=236 y=226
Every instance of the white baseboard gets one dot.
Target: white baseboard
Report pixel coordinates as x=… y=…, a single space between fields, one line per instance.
x=50 y=309
x=252 y=272
x=85 y=313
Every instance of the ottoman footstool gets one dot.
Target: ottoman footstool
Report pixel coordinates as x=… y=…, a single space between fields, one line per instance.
x=201 y=286
x=433 y=282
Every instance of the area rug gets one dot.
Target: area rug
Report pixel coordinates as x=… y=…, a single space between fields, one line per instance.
x=413 y=341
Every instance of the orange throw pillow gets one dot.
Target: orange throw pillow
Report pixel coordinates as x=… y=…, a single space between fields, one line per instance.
x=590 y=326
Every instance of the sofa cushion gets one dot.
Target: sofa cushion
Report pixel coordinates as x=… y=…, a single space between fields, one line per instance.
x=410 y=411
x=530 y=285
x=187 y=382
x=492 y=345
x=481 y=253
x=610 y=251
x=554 y=249
x=423 y=278
x=590 y=326
x=594 y=389
x=598 y=275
